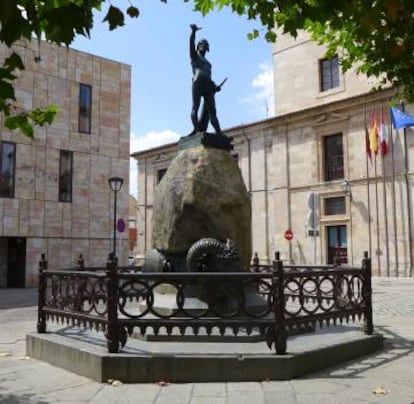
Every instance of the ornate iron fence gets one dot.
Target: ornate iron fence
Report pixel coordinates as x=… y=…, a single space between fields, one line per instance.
x=271 y=300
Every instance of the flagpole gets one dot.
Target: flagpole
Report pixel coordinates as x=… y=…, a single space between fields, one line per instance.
x=394 y=202
x=408 y=193
x=373 y=138
x=377 y=215
x=384 y=193
x=368 y=184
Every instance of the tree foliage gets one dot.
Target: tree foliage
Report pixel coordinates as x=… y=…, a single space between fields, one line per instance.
x=57 y=21
x=374 y=36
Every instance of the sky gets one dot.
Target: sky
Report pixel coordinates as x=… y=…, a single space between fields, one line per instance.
x=156 y=46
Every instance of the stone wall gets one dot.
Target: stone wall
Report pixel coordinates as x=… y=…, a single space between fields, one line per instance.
x=296 y=76
x=63 y=230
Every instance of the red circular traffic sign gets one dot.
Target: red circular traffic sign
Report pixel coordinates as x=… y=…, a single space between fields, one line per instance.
x=288 y=234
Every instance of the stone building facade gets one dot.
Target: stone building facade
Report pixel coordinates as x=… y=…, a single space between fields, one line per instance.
x=308 y=172
x=54 y=193
x=297 y=74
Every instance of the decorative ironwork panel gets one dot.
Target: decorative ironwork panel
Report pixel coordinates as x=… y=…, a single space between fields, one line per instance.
x=271 y=300
x=328 y=295
x=77 y=296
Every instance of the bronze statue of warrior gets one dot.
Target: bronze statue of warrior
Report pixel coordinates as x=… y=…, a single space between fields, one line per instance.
x=203 y=86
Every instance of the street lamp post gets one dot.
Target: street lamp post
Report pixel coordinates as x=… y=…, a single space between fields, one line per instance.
x=115 y=183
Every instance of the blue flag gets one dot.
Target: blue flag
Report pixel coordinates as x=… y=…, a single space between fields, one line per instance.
x=401 y=119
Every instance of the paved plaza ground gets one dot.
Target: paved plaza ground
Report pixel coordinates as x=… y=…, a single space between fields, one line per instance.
x=384 y=377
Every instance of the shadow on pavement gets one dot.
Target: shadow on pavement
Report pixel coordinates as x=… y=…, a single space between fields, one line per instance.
x=23 y=398
x=395 y=347
x=17 y=298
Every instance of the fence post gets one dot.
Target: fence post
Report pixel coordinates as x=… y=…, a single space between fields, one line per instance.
x=279 y=305
x=41 y=299
x=81 y=263
x=112 y=331
x=367 y=294
x=255 y=262
x=82 y=285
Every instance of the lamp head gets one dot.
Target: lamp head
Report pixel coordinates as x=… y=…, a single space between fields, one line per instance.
x=346 y=186
x=115 y=183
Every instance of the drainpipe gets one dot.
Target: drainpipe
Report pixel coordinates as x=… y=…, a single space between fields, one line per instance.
x=289 y=212
x=249 y=162
x=266 y=200
x=408 y=193
x=145 y=206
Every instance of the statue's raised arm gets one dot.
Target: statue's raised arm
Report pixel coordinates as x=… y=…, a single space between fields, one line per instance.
x=193 y=50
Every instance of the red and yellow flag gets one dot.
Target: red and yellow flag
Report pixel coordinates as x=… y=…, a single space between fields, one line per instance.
x=373 y=135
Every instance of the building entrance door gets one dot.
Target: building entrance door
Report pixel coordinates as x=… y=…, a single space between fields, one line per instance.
x=16 y=262
x=337 y=244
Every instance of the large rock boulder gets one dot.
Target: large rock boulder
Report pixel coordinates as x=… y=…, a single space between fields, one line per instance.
x=202 y=195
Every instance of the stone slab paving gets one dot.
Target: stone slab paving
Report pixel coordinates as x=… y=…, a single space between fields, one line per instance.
x=389 y=373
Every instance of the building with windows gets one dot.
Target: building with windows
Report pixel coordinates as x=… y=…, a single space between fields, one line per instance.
x=54 y=192
x=304 y=78
x=308 y=170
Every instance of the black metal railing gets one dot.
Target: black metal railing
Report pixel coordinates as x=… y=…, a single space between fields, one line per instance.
x=271 y=300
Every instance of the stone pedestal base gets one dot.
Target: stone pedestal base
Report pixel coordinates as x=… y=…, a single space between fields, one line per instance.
x=84 y=352
x=206 y=139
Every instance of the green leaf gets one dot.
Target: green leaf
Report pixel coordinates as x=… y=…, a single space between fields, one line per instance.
x=5 y=74
x=253 y=34
x=21 y=122
x=42 y=117
x=5 y=107
x=133 y=12
x=13 y=25
x=7 y=91
x=61 y=24
x=270 y=36
x=114 y=17
x=14 y=61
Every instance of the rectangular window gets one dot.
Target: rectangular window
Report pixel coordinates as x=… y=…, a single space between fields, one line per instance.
x=85 y=108
x=65 y=176
x=160 y=174
x=329 y=73
x=335 y=206
x=7 y=169
x=333 y=157
x=337 y=244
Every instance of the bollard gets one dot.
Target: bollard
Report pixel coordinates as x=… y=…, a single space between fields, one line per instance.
x=367 y=294
x=255 y=265
x=41 y=300
x=112 y=331
x=277 y=255
x=279 y=305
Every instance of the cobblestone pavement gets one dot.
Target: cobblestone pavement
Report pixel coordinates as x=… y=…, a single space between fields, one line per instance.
x=385 y=377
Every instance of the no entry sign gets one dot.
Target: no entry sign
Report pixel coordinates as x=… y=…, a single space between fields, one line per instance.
x=288 y=235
